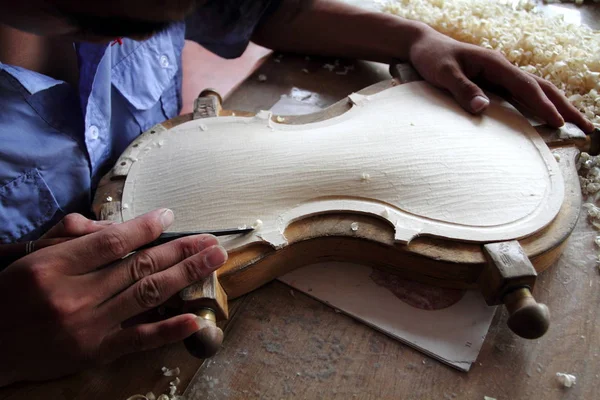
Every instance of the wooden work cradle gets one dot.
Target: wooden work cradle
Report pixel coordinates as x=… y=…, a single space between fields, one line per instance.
x=502 y=260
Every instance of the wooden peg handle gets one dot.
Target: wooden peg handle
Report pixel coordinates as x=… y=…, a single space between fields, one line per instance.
x=527 y=318
x=509 y=279
x=208 y=301
x=207 y=341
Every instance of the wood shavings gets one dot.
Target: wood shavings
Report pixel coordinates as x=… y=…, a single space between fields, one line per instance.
x=170 y=372
x=365 y=177
x=578 y=2
x=567 y=380
x=329 y=67
x=262 y=78
x=344 y=72
x=257 y=225
x=171 y=390
x=566 y=54
x=305 y=70
x=593 y=214
x=385 y=213
x=280 y=119
x=109 y=199
x=589 y=179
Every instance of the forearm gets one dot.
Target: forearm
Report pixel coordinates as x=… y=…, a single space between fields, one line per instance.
x=332 y=28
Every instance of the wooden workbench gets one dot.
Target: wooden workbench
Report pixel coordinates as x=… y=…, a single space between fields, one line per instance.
x=281 y=344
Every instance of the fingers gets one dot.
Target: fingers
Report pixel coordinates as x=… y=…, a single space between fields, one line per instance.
x=534 y=93
x=148 y=336
x=74 y=225
x=564 y=107
x=116 y=278
x=10 y=253
x=153 y=290
x=466 y=93
x=522 y=86
x=87 y=253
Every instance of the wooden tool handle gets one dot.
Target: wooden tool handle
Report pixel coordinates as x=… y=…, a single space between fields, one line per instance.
x=528 y=318
x=208 y=301
x=207 y=341
x=509 y=279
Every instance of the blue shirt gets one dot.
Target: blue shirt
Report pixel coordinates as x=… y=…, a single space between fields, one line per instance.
x=56 y=143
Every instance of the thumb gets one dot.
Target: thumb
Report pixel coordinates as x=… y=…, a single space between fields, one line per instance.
x=466 y=93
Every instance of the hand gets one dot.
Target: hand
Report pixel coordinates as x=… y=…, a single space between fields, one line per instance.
x=70 y=227
x=63 y=306
x=454 y=66
x=75 y=225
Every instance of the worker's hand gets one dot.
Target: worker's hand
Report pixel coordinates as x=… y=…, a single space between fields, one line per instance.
x=75 y=225
x=454 y=66
x=63 y=306
x=70 y=227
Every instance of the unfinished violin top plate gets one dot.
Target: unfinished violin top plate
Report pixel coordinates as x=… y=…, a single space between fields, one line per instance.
x=408 y=155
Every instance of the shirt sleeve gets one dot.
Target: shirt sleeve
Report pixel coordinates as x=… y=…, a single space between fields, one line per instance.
x=225 y=27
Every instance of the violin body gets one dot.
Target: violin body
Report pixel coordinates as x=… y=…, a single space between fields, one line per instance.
x=397 y=177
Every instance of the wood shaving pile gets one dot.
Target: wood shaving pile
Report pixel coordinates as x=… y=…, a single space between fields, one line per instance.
x=171 y=395
x=589 y=178
x=578 y=2
x=568 y=55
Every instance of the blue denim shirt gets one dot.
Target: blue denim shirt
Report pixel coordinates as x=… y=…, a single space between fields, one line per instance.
x=56 y=143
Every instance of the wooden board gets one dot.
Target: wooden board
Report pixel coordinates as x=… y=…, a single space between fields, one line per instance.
x=491 y=179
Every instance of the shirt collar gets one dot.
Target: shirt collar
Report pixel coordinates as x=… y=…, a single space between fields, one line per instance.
x=32 y=81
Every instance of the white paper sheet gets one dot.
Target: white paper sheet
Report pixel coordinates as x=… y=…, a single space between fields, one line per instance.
x=453 y=335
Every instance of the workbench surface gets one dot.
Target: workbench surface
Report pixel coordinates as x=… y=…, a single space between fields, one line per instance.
x=282 y=344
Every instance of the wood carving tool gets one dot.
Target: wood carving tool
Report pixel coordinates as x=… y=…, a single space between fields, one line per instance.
x=170 y=236
x=12 y=252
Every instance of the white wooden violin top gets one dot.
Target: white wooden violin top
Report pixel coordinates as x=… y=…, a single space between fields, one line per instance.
x=409 y=155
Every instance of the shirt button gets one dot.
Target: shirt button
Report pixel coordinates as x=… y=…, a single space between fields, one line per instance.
x=164 y=61
x=94 y=132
